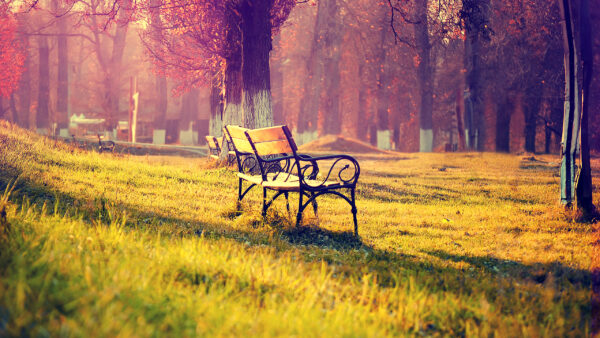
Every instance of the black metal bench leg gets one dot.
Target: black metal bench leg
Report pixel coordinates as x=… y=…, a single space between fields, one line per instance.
x=264 y=211
x=240 y=191
x=352 y=194
x=315 y=205
x=287 y=202
x=299 y=215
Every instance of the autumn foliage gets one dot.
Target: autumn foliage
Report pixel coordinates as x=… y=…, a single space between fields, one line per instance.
x=11 y=55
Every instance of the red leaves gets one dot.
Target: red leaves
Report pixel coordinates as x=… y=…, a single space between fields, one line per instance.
x=11 y=55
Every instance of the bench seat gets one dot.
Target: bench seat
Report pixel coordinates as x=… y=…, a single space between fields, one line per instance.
x=295 y=185
x=271 y=179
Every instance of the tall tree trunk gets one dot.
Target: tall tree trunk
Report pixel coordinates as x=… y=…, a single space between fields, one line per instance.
x=216 y=107
x=309 y=105
x=568 y=147
x=232 y=114
x=476 y=15
x=503 y=112
x=330 y=103
x=363 y=105
x=160 y=118
x=256 y=78
x=24 y=91
x=383 y=102
x=277 y=86
x=43 y=113
x=116 y=61
x=531 y=114
x=62 y=86
x=424 y=77
x=584 y=182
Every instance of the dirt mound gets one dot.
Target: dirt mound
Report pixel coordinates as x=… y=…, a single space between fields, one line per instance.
x=340 y=144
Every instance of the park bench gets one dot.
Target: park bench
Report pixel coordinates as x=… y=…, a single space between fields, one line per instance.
x=244 y=158
x=214 y=149
x=283 y=170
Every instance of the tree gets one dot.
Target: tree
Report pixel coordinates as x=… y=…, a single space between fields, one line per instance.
x=576 y=108
x=217 y=44
x=476 y=22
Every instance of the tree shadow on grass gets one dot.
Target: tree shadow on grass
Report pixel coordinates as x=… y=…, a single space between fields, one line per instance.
x=391 y=267
x=537 y=272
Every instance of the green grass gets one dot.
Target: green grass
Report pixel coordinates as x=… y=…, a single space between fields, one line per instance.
x=451 y=244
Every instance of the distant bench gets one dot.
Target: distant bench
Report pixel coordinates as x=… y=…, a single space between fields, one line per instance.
x=215 y=149
x=268 y=158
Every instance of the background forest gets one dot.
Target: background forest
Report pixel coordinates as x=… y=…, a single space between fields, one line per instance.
x=408 y=76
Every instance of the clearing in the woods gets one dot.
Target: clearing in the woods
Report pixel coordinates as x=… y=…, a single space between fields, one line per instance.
x=451 y=244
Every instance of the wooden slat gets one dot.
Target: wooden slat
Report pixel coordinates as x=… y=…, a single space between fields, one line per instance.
x=267 y=134
x=236 y=132
x=272 y=148
x=213 y=143
x=242 y=145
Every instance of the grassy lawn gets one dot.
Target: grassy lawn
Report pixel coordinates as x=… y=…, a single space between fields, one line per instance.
x=451 y=244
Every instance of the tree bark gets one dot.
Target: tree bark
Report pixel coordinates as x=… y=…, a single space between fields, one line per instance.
x=531 y=115
x=476 y=26
x=503 y=112
x=277 y=86
x=424 y=77
x=584 y=182
x=24 y=91
x=216 y=108
x=256 y=78
x=43 y=113
x=232 y=114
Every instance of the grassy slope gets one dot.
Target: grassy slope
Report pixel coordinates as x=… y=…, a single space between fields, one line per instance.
x=451 y=244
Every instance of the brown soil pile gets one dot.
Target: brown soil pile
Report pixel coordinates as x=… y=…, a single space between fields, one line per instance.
x=340 y=144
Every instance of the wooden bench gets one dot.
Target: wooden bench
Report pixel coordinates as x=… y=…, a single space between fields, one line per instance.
x=214 y=149
x=244 y=158
x=283 y=170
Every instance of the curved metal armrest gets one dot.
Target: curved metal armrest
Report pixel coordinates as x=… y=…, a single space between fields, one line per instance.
x=344 y=169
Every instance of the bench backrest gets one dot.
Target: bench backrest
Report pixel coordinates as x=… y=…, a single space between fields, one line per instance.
x=213 y=144
x=238 y=139
x=272 y=141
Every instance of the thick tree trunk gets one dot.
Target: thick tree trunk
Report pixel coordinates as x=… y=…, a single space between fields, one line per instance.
x=43 y=112
x=424 y=77
x=503 y=112
x=256 y=78
x=584 y=182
